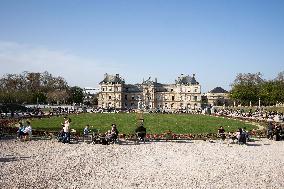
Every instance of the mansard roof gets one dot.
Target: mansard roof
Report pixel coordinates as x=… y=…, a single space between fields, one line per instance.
x=187 y=80
x=148 y=82
x=112 y=79
x=133 y=88
x=218 y=90
x=116 y=79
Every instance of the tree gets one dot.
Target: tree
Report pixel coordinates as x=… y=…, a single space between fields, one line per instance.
x=39 y=97
x=246 y=87
x=280 y=76
x=57 y=96
x=76 y=95
x=30 y=87
x=251 y=87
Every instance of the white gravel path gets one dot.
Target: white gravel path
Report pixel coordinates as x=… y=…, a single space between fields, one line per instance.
x=196 y=164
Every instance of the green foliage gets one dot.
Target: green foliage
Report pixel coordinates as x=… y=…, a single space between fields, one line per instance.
x=39 y=97
x=155 y=123
x=250 y=87
x=76 y=95
x=245 y=93
x=30 y=87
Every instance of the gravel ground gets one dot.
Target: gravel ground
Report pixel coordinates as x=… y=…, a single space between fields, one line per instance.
x=194 y=164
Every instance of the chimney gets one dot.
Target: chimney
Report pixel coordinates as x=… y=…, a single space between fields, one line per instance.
x=193 y=75
x=156 y=80
x=117 y=75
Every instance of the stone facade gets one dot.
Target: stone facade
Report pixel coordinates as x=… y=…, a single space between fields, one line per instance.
x=218 y=96
x=185 y=94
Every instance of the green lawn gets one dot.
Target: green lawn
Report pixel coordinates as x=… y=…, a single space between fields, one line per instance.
x=155 y=123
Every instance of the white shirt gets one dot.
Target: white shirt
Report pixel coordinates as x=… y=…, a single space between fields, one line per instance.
x=28 y=129
x=66 y=127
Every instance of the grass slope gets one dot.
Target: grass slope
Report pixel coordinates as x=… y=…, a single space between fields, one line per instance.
x=155 y=123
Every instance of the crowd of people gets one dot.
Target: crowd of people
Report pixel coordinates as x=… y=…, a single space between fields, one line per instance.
x=241 y=135
x=257 y=115
x=273 y=119
x=35 y=112
x=111 y=136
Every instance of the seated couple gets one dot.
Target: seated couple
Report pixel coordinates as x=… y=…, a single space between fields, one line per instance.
x=112 y=135
x=25 y=133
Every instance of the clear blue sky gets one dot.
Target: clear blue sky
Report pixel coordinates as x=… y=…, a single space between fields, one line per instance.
x=82 y=40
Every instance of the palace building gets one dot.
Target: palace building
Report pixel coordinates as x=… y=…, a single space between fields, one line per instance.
x=184 y=94
x=217 y=97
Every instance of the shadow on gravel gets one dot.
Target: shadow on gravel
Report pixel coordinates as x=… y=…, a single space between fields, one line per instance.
x=174 y=141
x=131 y=143
x=40 y=138
x=8 y=159
x=154 y=141
x=8 y=137
x=249 y=144
x=11 y=158
x=12 y=137
x=180 y=141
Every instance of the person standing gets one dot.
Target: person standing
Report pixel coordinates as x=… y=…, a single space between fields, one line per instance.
x=66 y=130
